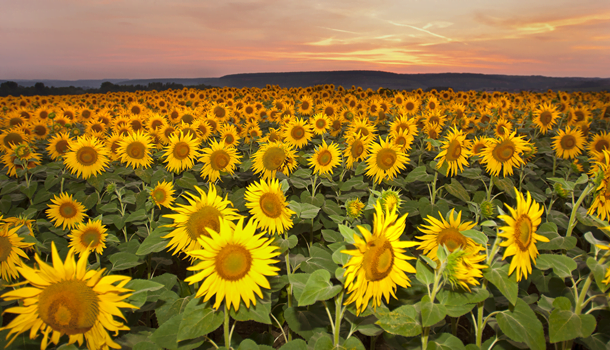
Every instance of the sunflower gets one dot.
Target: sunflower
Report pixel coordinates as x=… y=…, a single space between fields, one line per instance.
x=162 y=194
x=521 y=234
x=503 y=127
x=12 y=137
x=66 y=211
x=66 y=298
x=325 y=158
x=385 y=161
x=90 y=236
x=411 y=105
x=504 y=154
x=192 y=220
x=320 y=123
x=601 y=201
x=463 y=268
x=455 y=152
x=379 y=263
x=229 y=135
x=218 y=158
x=599 y=143
x=361 y=126
x=134 y=149
x=112 y=144
x=297 y=133
x=354 y=208
x=273 y=157
x=156 y=122
x=181 y=152
x=479 y=144
x=356 y=150
x=18 y=156
x=568 y=144
x=11 y=245
x=86 y=157
x=306 y=107
x=545 y=117
x=232 y=264
x=268 y=206
x=447 y=233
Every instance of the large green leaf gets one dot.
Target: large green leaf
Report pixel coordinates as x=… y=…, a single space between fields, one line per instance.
x=522 y=325
x=431 y=313
x=122 y=261
x=402 y=321
x=424 y=273
x=198 y=320
x=297 y=344
x=498 y=276
x=154 y=243
x=446 y=341
x=307 y=322
x=566 y=325
x=561 y=264
x=259 y=312
x=457 y=190
x=318 y=287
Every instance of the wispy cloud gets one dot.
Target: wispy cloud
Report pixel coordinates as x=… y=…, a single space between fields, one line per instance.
x=420 y=29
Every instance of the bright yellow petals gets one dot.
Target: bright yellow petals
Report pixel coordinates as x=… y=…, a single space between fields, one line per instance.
x=568 y=144
x=218 y=158
x=354 y=208
x=58 y=145
x=463 y=268
x=181 y=152
x=357 y=149
x=599 y=143
x=385 y=161
x=601 y=201
x=86 y=157
x=135 y=149
x=195 y=219
x=455 y=152
x=297 y=133
x=90 y=236
x=504 y=154
x=320 y=123
x=66 y=298
x=545 y=117
x=447 y=233
x=378 y=264
x=325 y=158
x=233 y=264
x=162 y=194
x=268 y=206
x=520 y=234
x=65 y=211
x=273 y=157
x=11 y=251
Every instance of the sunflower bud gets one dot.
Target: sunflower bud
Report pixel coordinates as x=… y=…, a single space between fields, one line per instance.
x=562 y=192
x=111 y=187
x=51 y=115
x=487 y=209
x=354 y=208
x=576 y=167
x=22 y=151
x=390 y=200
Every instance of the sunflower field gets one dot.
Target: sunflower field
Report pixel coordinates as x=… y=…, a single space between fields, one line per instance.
x=305 y=219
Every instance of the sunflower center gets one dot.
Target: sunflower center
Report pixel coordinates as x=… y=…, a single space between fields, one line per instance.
x=362 y=130
x=410 y=106
x=69 y=307
x=386 y=158
x=478 y=148
x=325 y=157
x=181 y=150
x=86 y=156
x=156 y=124
x=504 y=151
x=580 y=116
x=206 y=217
x=601 y=145
x=568 y=142
x=136 y=110
x=297 y=132
x=271 y=205
x=40 y=130
x=5 y=248
x=320 y=123
x=451 y=238
x=454 y=151
x=159 y=195
x=219 y=160
x=273 y=158
x=432 y=105
x=219 y=112
x=67 y=210
x=546 y=118
x=400 y=140
x=229 y=139
x=233 y=262
x=136 y=150
x=90 y=238
x=357 y=149
x=523 y=232
x=329 y=111
x=378 y=259
x=12 y=138
x=305 y=105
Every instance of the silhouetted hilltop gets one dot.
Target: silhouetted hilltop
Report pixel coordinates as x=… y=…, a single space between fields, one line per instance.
x=364 y=79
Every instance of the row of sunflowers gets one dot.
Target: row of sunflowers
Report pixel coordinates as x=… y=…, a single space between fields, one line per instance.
x=299 y=218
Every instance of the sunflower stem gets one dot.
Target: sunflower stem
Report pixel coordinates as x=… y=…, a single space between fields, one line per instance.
x=571 y=223
x=339 y=310
x=433 y=191
x=288 y=287
x=554 y=164
x=227 y=332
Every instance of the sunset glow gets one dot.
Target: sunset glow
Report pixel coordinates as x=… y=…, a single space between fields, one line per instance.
x=132 y=39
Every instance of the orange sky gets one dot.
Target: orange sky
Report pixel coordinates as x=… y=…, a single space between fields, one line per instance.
x=104 y=39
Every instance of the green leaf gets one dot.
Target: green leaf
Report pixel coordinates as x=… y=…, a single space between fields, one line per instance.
x=402 y=321
x=476 y=236
x=459 y=310
x=154 y=243
x=138 y=215
x=353 y=343
x=297 y=344
x=297 y=283
x=498 y=276
x=198 y=320
x=431 y=313
x=356 y=182
x=419 y=174
x=304 y=210
x=522 y=325
x=457 y=190
x=506 y=185
x=562 y=303
x=338 y=256
x=187 y=181
x=446 y=341
x=248 y=344
x=332 y=236
x=319 y=259
x=259 y=312
x=318 y=287
x=566 y=325
x=347 y=233
x=167 y=334
x=450 y=297
x=140 y=290
x=123 y=261
x=561 y=264
x=424 y=273
x=324 y=343
x=307 y=322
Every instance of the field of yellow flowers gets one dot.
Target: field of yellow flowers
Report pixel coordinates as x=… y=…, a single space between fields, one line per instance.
x=305 y=219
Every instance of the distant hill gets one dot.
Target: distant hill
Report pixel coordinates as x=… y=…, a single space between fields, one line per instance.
x=364 y=79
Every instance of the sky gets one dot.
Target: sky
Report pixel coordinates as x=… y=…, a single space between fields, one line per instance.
x=145 y=39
